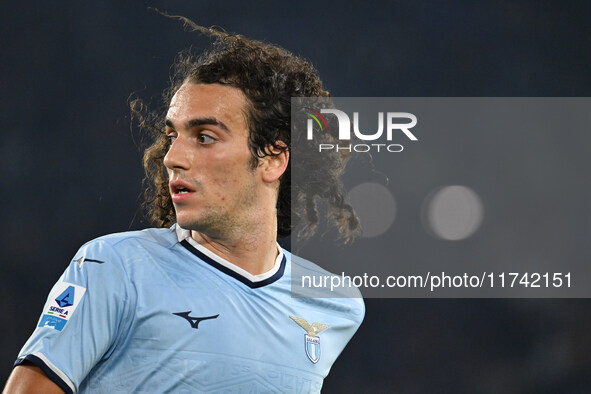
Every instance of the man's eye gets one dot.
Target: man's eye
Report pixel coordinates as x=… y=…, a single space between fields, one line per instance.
x=206 y=139
x=171 y=138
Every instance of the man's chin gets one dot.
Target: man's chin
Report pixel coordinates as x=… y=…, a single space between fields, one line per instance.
x=206 y=226
x=185 y=221
x=186 y=224
x=192 y=223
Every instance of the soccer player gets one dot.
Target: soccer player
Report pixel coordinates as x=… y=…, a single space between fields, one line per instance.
x=203 y=302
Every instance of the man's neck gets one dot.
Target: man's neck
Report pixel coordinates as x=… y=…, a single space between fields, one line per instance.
x=254 y=253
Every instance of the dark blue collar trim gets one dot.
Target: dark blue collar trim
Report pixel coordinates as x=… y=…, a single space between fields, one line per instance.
x=235 y=275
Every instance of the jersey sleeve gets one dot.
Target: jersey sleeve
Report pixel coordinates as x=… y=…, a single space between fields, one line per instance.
x=83 y=318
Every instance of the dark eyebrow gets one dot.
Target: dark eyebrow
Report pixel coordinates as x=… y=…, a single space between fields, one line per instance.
x=201 y=122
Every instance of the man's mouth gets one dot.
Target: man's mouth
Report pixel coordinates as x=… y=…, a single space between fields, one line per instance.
x=179 y=188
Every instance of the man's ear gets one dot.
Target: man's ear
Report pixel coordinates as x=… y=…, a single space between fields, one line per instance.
x=274 y=165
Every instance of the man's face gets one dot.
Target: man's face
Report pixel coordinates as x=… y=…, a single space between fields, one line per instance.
x=211 y=181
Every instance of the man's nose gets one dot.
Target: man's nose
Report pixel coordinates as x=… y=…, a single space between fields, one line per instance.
x=177 y=157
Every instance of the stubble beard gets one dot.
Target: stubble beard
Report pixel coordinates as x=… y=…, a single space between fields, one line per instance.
x=228 y=222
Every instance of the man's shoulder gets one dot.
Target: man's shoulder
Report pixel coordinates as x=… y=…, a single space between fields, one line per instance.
x=300 y=263
x=128 y=246
x=165 y=237
x=316 y=286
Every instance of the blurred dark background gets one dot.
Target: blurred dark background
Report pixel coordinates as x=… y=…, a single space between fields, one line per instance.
x=71 y=167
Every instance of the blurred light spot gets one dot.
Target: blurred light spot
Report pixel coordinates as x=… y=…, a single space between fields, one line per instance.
x=375 y=207
x=452 y=212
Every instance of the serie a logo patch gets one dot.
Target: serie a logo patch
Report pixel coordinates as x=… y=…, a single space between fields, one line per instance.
x=63 y=301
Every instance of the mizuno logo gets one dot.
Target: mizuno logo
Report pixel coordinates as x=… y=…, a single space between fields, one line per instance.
x=193 y=321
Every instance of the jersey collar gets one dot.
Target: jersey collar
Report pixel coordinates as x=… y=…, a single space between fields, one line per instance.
x=252 y=281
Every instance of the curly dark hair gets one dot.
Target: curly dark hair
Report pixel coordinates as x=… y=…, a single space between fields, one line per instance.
x=268 y=76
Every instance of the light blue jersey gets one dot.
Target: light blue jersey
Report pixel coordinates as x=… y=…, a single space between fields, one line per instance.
x=153 y=311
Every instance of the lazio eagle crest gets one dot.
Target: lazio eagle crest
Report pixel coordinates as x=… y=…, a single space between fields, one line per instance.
x=311 y=341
